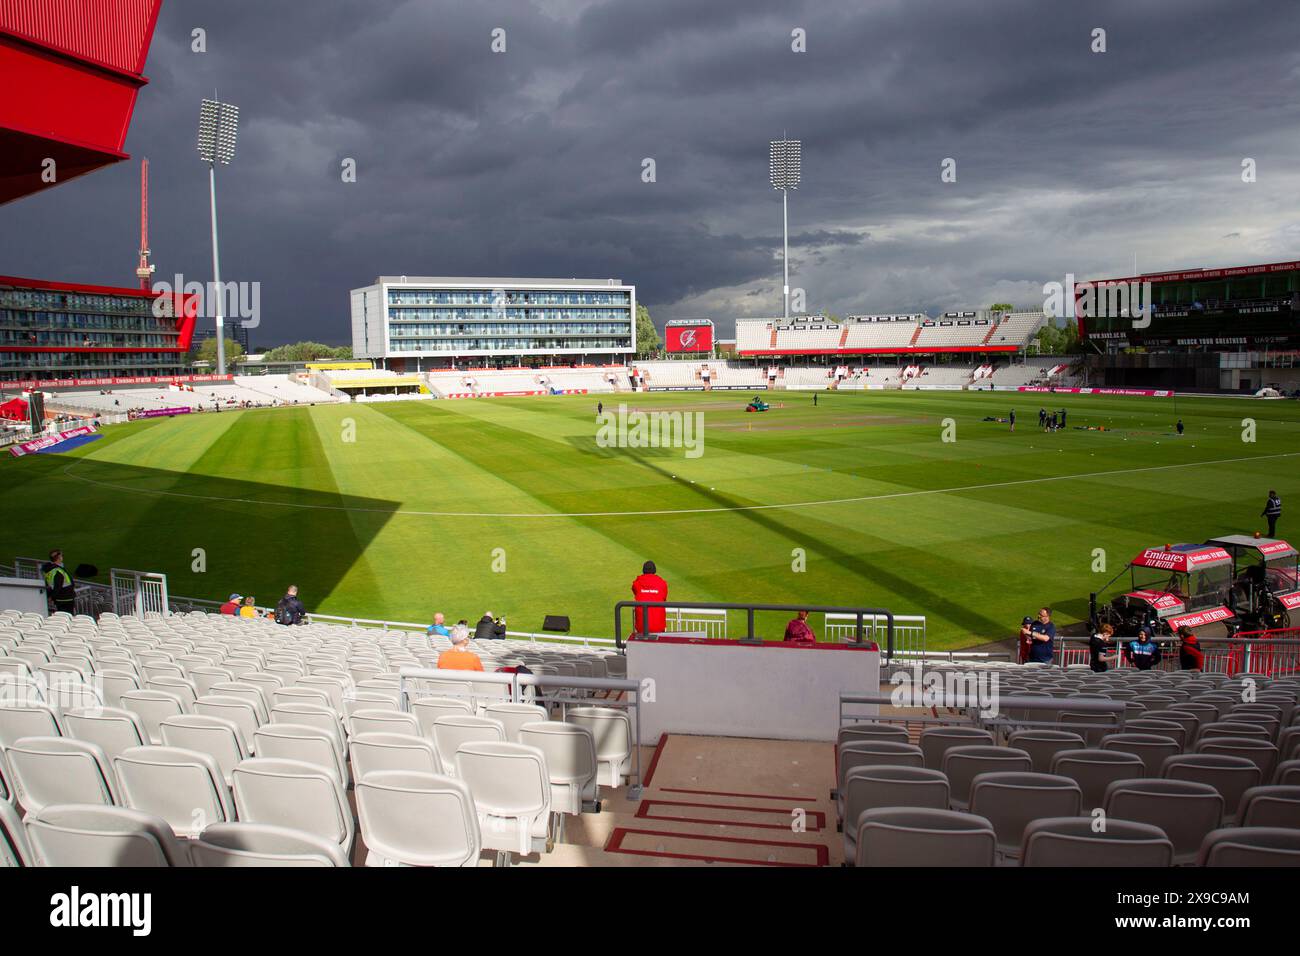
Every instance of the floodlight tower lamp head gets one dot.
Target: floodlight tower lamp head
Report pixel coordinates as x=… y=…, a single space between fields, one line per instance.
x=218 y=132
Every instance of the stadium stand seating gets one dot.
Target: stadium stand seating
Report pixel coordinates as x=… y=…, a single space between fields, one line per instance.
x=454 y=773
x=1190 y=795
x=873 y=334
x=232 y=766
x=252 y=390
x=592 y=380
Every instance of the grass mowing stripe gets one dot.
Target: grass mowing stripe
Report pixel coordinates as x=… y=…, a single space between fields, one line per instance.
x=691 y=511
x=974 y=534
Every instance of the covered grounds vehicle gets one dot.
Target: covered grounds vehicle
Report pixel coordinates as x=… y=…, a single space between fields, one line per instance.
x=757 y=405
x=1265 y=579
x=1179 y=585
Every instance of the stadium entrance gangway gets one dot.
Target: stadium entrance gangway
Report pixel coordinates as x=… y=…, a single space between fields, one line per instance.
x=629 y=690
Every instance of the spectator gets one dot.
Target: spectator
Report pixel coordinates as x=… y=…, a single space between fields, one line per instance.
x=1039 y=635
x=1143 y=652
x=249 y=608
x=649 y=586
x=289 y=610
x=459 y=657
x=1101 y=649
x=231 y=607
x=489 y=628
x=527 y=695
x=438 y=627
x=1272 y=511
x=1190 y=655
x=798 y=631
x=59 y=586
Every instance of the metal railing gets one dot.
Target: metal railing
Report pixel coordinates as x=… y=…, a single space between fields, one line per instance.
x=710 y=623
x=92 y=598
x=181 y=603
x=540 y=683
x=859 y=615
x=138 y=593
x=1010 y=712
x=1255 y=652
x=909 y=631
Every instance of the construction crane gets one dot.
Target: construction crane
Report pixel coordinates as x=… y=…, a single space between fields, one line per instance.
x=144 y=271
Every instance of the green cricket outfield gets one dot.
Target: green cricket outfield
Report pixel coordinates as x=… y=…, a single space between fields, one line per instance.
x=397 y=510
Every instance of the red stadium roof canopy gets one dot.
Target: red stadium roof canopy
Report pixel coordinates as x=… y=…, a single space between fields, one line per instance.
x=74 y=67
x=1195 y=275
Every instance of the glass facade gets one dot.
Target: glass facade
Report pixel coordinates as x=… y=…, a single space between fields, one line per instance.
x=60 y=333
x=436 y=321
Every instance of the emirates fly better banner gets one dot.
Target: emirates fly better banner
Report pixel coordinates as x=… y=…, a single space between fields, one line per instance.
x=688 y=338
x=31 y=447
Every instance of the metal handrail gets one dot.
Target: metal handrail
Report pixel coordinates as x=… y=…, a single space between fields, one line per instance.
x=631 y=687
x=1084 y=705
x=858 y=612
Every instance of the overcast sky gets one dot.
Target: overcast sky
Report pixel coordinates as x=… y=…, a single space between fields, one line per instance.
x=529 y=162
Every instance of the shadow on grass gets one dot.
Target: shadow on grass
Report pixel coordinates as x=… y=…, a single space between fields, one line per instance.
x=926 y=600
x=212 y=536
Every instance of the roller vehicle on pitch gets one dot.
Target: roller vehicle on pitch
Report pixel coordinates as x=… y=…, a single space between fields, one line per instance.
x=757 y=405
x=1178 y=585
x=1265 y=579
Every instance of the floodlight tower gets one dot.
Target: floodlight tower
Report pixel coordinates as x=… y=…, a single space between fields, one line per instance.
x=218 y=130
x=783 y=169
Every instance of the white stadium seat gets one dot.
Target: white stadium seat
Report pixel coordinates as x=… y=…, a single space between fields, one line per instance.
x=184 y=787
x=417 y=819
x=89 y=836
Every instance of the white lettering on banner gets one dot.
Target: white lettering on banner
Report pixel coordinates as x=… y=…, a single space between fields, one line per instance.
x=1290 y=601
x=1211 y=616
x=26 y=448
x=1145 y=392
x=31 y=383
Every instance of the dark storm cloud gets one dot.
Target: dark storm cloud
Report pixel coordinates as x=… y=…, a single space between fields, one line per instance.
x=529 y=162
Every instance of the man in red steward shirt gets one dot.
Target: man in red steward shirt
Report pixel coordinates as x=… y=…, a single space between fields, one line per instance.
x=649 y=586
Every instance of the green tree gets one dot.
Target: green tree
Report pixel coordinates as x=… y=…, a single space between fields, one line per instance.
x=207 y=351
x=1053 y=339
x=647 y=337
x=1001 y=307
x=309 y=352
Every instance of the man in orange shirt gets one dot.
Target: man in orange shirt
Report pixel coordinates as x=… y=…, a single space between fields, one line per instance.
x=459 y=657
x=649 y=586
